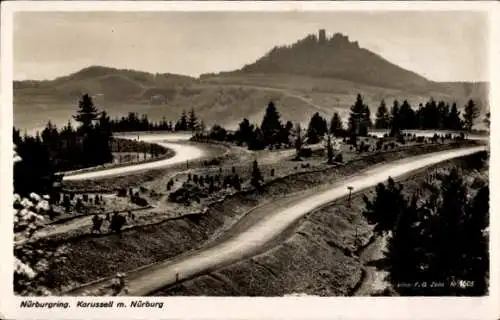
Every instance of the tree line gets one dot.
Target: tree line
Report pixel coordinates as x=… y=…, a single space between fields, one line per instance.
x=273 y=133
x=439 y=245
x=432 y=115
x=135 y=122
x=59 y=150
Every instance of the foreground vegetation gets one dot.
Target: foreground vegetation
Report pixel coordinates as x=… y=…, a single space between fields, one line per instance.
x=438 y=243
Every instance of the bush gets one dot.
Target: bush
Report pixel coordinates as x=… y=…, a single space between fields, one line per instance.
x=170 y=184
x=305 y=152
x=139 y=201
x=212 y=162
x=186 y=194
x=339 y=158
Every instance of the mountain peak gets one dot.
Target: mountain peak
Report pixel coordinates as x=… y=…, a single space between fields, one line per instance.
x=336 y=56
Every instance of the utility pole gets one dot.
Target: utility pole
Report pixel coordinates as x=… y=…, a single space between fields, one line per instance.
x=349 y=197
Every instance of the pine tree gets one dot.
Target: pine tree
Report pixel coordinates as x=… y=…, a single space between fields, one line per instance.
x=182 y=124
x=298 y=140
x=405 y=252
x=444 y=114
x=271 y=124
x=471 y=112
x=388 y=204
x=192 y=122
x=257 y=141
x=407 y=116
x=256 y=179
x=336 y=126
x=382 y=117
x=329 y=150
x=245 y=131
x=316 y=129
x=359 y=118
x=86 y=113
x=454 y=122
x=285 y=133
x=446 y=237
x=395 y=120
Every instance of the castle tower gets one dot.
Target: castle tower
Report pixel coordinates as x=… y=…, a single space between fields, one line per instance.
x=322 y=36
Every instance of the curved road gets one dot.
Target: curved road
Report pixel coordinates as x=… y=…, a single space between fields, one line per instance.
x=183 y=153
x=261 y=232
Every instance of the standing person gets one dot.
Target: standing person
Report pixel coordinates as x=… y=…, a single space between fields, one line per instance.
x=97 y=223
x=118 y=284
x=131 y=216
x=117 y=222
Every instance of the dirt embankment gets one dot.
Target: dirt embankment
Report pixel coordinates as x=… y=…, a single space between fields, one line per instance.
x=324 y=254
x=92 y=257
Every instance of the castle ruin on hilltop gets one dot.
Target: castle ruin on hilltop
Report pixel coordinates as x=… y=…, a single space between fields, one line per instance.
x=336 y=39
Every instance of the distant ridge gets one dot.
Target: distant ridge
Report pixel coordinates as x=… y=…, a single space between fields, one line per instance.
x=315 y=74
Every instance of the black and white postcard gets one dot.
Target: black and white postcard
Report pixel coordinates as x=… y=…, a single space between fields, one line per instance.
x=220 y=160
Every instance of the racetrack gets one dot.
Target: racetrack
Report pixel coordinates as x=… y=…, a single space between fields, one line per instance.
x=260 y=232
x=183 y=152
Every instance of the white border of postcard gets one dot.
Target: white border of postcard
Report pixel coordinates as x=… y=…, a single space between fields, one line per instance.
x=244 y=308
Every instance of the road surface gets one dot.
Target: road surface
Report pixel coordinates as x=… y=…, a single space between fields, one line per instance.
x=261 y=232
x=183 y=153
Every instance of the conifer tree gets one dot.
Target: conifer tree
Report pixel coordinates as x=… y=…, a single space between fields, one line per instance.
x=316 y=129
x=329 y=150
x=336 y=126
x=192 y=122
x=359 y=118
x=245 y=131
x=395 y=122
x=298 y=140
x=386 y=207
x=471 y=112
x=454 y=122
x=382 y=117
x=256 y=179
x=271 y=124
x=86 y=113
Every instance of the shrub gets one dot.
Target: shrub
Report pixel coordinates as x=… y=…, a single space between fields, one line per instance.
x=213 y=162
x=186 y=194
x=139 y=201
x=170 y=184
x=305 y=152
x=339 y=158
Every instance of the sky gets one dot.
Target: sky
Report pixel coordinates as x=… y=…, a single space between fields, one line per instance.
x=441 y=46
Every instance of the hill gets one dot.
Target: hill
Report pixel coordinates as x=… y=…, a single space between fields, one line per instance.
x=335 y=57
x=314 y=74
